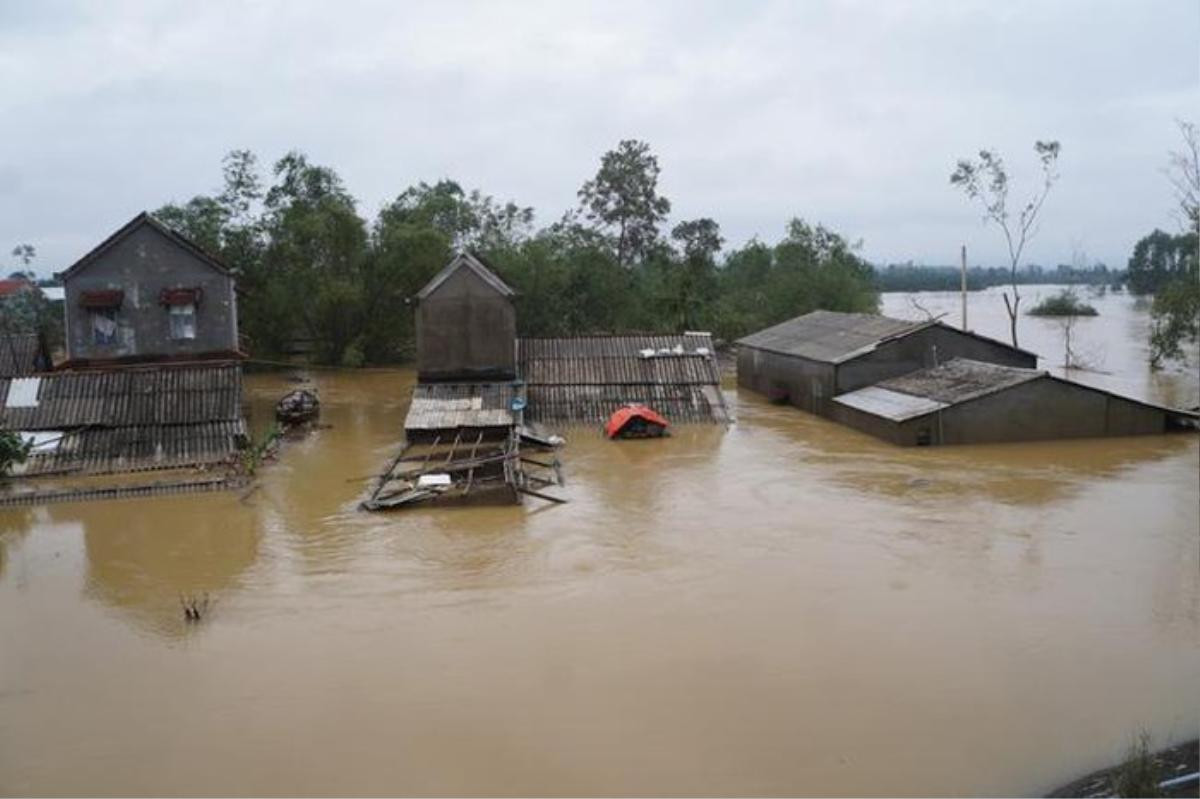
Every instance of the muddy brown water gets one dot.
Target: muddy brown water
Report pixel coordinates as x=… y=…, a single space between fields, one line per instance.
x=786 y=607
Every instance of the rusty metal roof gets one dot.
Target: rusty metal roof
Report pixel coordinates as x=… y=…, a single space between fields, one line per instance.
x=123 y=396
x=829 y=336
x=444 y=406
x=584 y=379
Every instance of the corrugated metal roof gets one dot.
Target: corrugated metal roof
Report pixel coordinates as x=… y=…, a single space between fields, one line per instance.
x=829 y=336
x=176 y=394
x=604 y=360
x=21 y=354
x=960 y=380
x=594 y=404
x=444 y=406
x=98 y=450
x=889 y=404
x=584 y=379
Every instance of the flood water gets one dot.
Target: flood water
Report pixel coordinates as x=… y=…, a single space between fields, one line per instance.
x=785 y=607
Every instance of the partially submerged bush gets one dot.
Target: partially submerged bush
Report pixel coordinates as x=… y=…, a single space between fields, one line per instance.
x=1138 y=775
x=1064 y=303
x=13 y=450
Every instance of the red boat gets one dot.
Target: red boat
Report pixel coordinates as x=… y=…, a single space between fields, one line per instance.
x=635 y=421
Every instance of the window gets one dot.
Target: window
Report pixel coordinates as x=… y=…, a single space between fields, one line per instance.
x=183 y=321
x=104 y=326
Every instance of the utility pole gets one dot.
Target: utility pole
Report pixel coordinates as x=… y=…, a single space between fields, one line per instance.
x=964 y=286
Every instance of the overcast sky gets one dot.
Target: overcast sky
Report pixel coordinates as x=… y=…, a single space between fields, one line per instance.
x=850 y=114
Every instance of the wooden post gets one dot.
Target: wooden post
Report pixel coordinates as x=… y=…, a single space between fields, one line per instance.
x=964 y=287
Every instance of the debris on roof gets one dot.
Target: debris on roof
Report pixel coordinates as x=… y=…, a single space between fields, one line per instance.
x=583 y=380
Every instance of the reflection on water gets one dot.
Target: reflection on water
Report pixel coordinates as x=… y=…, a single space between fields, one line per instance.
x=783 y=607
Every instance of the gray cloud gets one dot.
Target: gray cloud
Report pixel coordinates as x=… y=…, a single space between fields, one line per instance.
x=847 y=113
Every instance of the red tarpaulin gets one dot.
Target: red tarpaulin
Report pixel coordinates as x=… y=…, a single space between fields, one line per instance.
x=623 y=416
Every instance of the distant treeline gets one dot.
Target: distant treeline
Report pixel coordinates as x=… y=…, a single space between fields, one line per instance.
x=310 y=267
x=910 y=277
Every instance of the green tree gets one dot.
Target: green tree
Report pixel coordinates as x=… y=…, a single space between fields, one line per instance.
x=317 y=244
x=1159 y=259
x=13 y=450
x=692 y=277
x=986 y=181
x=622 y=200
x=1169 y=266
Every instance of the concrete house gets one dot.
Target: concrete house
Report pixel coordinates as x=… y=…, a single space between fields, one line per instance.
x=809 y=360
x=466 y=324
x=146 y=293
x=969 y=402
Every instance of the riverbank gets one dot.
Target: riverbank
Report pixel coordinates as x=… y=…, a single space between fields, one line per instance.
x=1168 y=764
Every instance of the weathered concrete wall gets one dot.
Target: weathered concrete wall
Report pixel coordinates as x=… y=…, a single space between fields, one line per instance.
x=142 y=264
x=905 y=435
x=917 y=351
x=1039 y=410
x=466 y=330
x=808 y=385
x=1048 y=409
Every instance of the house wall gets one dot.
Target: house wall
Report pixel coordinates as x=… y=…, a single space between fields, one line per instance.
x=917 y=351
x=808 y=385
x=466 y=330
x=1043 y=409
x=904 y=435
x=142 y=264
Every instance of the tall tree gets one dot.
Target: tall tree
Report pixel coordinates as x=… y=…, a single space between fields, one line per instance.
x=693 y=278
x=1175 y=262
x=623 y=200
x=986 y=181
x=1183 y=171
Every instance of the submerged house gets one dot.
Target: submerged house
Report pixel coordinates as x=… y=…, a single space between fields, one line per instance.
x=809 y=360
x=585 y=379
x=135 y=418
x=473 y=370
x=153 y=378
x=148 y=294
x=483 y=394
x=971 y=402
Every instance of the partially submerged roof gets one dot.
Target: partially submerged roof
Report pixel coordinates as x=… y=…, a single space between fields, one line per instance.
x=956 y=382
x=829 y=336
x=835 y=337
x=445 y=406
x=144 y=220
x=120 y=397
x=582 y=380
x=918 y=393
x=960 y=380
x=126 y=419
x=466 y=260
